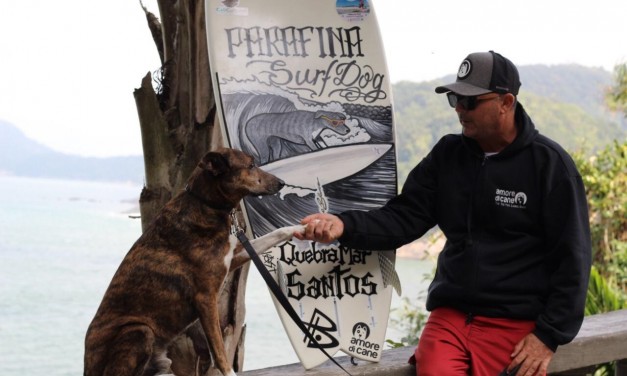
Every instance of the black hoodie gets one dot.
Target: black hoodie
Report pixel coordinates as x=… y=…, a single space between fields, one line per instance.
x=516 y=224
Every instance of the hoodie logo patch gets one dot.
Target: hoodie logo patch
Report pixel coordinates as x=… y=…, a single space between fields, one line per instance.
x=510 y=199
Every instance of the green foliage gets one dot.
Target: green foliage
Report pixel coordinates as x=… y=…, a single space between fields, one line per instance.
x=617 y=95
x=409 y=319
x=601 y=297
x=605 y=178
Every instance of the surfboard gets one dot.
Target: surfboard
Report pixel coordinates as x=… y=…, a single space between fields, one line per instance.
x=303 y=87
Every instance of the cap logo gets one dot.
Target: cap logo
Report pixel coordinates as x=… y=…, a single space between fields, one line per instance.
x=464 y=69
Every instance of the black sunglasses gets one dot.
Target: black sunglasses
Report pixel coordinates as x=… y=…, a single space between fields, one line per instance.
x=467 y=103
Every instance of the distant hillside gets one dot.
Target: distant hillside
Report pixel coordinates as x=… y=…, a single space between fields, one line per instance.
x=21 y=156
x=566 y=103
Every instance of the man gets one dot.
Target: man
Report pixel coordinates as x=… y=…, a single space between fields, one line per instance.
x=511 y=281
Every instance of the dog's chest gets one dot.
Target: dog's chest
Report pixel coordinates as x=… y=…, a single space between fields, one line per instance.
x=223 y=251
x=228 y=257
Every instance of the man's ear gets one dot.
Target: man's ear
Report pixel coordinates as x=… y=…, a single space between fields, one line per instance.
x=509 y=100
x=215 y=163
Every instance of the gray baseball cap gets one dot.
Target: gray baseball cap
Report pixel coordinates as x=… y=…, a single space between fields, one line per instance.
x=482 y=73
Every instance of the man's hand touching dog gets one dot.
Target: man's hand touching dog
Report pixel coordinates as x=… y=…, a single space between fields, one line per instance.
x=321 y=227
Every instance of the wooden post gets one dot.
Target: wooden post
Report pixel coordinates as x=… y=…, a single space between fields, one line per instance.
x=179 y=125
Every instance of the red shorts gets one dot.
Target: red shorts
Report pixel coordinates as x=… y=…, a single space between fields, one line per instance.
x=450 y=344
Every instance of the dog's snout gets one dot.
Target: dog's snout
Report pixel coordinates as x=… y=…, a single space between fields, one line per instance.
x=281 y=184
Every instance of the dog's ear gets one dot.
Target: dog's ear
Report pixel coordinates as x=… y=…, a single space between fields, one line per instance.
x=216 y=163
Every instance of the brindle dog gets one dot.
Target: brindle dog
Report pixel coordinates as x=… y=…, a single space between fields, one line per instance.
x=174 y=272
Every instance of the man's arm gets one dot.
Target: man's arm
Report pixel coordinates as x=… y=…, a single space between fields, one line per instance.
x=569 y=259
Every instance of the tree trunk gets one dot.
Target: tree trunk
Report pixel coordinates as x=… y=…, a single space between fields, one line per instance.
x=179 y=125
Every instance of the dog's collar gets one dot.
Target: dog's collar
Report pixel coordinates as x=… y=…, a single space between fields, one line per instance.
x=212 y=205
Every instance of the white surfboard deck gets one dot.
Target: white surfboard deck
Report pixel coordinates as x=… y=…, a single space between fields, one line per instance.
x=303 y=87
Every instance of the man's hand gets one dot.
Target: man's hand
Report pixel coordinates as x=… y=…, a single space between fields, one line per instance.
x=323 y=228
x=533 y=355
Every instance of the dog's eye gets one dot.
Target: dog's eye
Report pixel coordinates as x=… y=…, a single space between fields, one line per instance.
x=251 y=166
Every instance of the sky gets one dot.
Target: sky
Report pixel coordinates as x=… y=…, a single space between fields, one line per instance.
x=68 y=68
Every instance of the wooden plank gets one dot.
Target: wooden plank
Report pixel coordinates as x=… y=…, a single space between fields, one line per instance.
x=602 y=338
x=393 y=363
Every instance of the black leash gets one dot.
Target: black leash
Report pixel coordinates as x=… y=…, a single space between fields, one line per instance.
x=278 y=294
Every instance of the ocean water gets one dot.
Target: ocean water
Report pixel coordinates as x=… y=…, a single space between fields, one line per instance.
x=60 y=243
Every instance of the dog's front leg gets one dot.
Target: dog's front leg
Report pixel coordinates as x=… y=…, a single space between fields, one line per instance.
x=264 y=243
x=207 y=304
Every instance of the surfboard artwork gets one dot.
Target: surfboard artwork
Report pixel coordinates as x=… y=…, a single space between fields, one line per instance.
x=303 y=87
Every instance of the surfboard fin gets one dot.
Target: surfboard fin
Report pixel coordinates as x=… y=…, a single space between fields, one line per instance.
x=281 y=278
x=388 y=272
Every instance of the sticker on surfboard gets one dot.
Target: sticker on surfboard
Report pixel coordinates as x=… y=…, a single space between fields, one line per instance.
x=303 y=87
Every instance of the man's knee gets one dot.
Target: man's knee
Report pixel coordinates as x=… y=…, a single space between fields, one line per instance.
x=436 y=361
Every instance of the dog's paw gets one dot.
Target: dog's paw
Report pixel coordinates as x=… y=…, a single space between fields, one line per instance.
x=289 y=231
x=298 y=229
x=286 y=233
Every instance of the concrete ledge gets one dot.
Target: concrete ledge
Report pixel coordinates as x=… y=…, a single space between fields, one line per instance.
x=602 y=338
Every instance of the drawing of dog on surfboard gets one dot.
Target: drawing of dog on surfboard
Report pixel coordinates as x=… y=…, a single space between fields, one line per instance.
x=268 y=132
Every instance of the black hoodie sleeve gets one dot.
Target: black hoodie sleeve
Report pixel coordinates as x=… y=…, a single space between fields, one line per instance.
x=402 y=220
x=569 y=258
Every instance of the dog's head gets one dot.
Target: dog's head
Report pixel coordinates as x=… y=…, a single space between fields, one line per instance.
x=334 y=121
x=228 y=175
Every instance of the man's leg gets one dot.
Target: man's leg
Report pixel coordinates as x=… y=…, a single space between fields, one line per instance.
x=491 y=342
x=442 y=347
